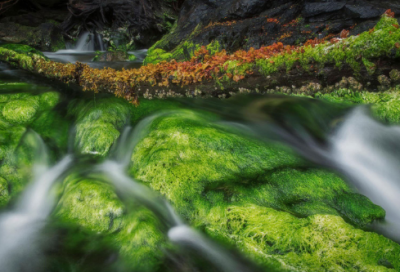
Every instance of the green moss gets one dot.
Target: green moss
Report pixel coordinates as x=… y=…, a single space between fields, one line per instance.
x=4 y=195
x=231 y=187
x=49 y=100
x=155 y=56
x=315 y=243
x=214 y=47
x=53 y=128
x=353 y=51
x=93 y=206
x=385 y=106
x=184 y=153
x=371 y=67
x=22 y=49
x=98 y=123
x=147 y=107
x=20 y=111
x=132 y=57
x=308 y=192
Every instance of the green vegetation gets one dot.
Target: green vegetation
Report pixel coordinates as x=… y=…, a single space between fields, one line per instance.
x=94 y=207
x=384 y=105
x=259 y=197
x=353 y=50
x=98 y=123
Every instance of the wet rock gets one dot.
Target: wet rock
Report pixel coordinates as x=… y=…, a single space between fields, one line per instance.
x=364 y=11
x=46 y=37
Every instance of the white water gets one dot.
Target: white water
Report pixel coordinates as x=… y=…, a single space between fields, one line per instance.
x=20 y=229
x=368 y=152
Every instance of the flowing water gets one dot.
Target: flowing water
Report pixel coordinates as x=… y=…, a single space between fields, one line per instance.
x=347 y=140
x=21 y=227
x=85 y=50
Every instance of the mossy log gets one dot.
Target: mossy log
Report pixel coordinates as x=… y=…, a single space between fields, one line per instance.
x=369 y=59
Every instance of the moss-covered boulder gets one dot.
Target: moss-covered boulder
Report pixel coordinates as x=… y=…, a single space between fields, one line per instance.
x=93 y=206
x=22 y=49
x=184 y=155
x=98 y=123
x=315 y=243
x=219 y=180
x=20 y=111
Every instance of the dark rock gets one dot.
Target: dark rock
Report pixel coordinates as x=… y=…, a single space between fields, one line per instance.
x=237 y=24
x=312 y=9
x=364 y=11
x=45 y=37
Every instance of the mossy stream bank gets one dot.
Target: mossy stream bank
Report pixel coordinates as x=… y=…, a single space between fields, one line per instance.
x=258 y=199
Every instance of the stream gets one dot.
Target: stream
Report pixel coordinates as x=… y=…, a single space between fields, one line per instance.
x=51 y=144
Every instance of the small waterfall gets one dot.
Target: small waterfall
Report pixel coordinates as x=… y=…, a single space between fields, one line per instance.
x=100 y=42
x=21 y=227
x=368 y=152
x=177 y=232
x=85 y=42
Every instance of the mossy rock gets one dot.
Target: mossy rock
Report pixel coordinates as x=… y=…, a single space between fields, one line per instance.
x=184 y=153
x=22 y=49
x=95 y=139
x=308 y=192
x=93 y=206
x=53 y=128
x=132 y=57
x=49 y=100
x=315 y=243
x=20 y=111
x=98 y=123
x=157 y=55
